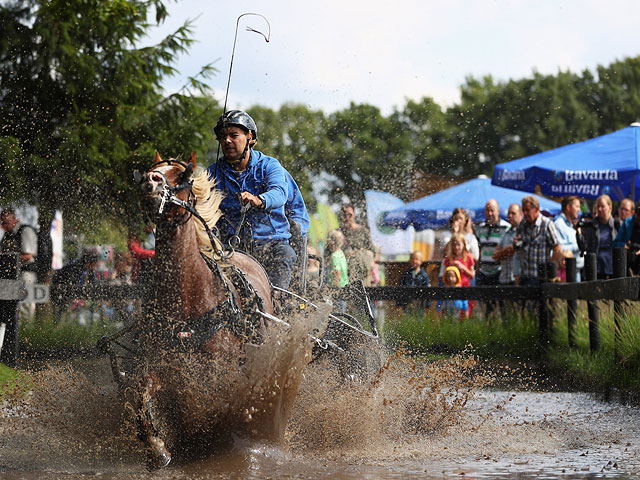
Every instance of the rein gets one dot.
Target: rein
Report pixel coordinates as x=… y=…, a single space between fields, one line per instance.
x=189 y=206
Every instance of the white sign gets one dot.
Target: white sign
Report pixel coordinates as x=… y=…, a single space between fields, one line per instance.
x=37 y=293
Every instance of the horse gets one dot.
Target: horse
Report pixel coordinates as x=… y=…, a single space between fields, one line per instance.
x=208 y=313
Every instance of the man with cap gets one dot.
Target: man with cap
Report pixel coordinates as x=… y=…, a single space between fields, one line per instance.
x=251 y=178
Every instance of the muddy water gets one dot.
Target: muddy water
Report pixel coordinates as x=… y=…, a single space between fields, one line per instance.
x=412 y=421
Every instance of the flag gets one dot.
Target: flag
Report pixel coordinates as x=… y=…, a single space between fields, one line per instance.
x=390 y=240
x=322 y=222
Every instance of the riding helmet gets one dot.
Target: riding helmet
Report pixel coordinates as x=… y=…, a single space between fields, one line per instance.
x=237 y=118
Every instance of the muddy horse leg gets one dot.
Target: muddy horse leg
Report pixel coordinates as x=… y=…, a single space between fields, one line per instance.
x=158 y=455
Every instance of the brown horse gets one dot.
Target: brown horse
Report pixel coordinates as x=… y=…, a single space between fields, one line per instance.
x=206 y=320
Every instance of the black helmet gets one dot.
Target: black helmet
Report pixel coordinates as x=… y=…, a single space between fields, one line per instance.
x=237 y=118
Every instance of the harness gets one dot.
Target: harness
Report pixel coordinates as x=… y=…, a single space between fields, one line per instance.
x=240 y=312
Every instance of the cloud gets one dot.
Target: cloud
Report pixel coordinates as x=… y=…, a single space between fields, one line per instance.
x=326 y=54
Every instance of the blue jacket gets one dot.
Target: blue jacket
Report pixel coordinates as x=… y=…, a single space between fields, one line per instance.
x=266 y=177
x=624 y=234
x=295 y=207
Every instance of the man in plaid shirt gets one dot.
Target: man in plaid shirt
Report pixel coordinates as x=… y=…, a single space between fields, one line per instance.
x=538 y=241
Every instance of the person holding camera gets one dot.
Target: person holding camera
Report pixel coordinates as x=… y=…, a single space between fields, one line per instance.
x=537 y=241
x=629 y=237
x=598 y=235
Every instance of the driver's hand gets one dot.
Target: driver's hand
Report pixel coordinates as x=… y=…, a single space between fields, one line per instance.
x=246 y=197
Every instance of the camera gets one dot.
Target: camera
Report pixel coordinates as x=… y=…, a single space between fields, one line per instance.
x=518 y=243
x=585 y=221
x=633 y=247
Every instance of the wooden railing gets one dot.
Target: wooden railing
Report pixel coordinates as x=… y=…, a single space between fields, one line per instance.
x=590 y=290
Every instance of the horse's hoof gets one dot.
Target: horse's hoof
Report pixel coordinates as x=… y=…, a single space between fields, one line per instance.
x=157 y=454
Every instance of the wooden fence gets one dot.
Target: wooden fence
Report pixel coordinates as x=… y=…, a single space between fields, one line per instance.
x=591 y=290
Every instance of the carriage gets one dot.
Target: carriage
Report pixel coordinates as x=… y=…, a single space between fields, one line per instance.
x=218 y=349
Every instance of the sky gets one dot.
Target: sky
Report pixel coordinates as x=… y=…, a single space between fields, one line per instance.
x=328 y=53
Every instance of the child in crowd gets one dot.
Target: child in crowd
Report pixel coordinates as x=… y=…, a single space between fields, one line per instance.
x=457 y=255
x=452 y=278
x=415 y=276
x=337 y=273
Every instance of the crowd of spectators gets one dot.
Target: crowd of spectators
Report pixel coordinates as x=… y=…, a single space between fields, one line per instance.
x=495 y=251
x=490 y=252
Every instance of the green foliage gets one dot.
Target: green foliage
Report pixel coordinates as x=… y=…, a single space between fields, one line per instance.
x=64 y=336
x=13 y=382
x=510 y=338
x=615 y=364
x=82 y=103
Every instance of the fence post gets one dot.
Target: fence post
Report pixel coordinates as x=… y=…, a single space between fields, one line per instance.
x=543 y=307
x=9 y=270
x=619 y=271
x=572 y=305
x=591 y=273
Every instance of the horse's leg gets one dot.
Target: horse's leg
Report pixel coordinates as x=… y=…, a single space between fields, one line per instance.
x=158 y=455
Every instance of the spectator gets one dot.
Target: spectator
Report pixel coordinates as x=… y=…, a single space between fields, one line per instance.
x=506 y=253
x=313 y=267
x=142 y=268
x=452 y=278
x=459 y=222
x=538 y=241
x=414 y=276
x=358 y=246
x=626 y=209
x=21 y=239
x=122 y=269
x=629 y=237
x=598 y=236
x=489 y=234
x=337 y=271
x=79 y=271
x=457 y=255
x=565 y=223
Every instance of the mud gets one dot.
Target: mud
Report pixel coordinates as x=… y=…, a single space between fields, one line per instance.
x=412 y=420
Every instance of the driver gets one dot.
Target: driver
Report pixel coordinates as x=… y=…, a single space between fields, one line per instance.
x=248 y=176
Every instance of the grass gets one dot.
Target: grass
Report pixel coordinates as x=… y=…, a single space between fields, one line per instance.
x=50 y=337
x=615 y=366
x=13 y=382
x=497 y=338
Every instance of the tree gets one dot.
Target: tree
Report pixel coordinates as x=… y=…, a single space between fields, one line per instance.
x=366 y=151
x=296 y=136
x=82 y=102
x=432 y=146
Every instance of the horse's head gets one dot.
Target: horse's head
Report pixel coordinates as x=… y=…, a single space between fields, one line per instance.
x=167 y=189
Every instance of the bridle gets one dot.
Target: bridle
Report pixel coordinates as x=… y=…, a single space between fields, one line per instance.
x=169 y=195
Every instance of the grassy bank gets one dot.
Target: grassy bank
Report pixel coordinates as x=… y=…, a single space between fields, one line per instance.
x=49 y=339
x=61 y=339
x=615 y=365
x=514 y=337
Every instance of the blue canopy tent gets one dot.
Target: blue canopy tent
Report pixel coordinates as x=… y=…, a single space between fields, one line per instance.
x=433 y=211
x=603 y=165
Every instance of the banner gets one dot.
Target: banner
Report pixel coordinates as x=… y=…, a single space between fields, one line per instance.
x=390 y=240
x=322 y=222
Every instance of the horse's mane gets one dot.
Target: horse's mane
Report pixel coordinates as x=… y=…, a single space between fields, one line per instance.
x=208 y=206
